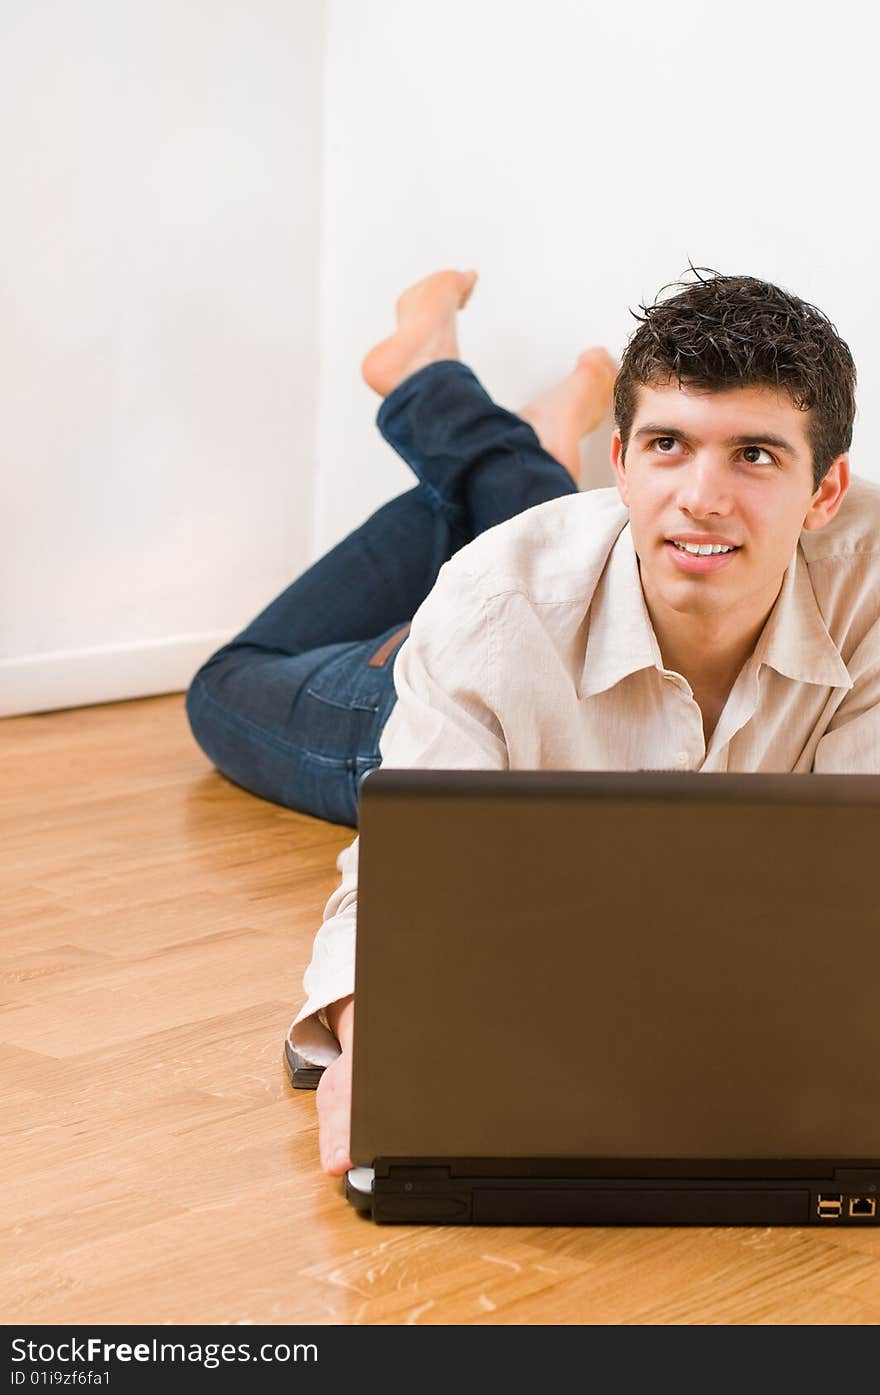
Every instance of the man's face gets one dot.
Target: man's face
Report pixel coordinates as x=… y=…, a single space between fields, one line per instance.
x=726 y=467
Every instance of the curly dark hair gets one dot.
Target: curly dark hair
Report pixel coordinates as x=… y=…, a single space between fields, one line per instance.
x=722 y=332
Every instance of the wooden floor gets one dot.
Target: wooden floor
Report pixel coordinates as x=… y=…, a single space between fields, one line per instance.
x=157 y=1167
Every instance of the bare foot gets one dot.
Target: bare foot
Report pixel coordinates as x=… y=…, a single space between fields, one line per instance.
x=425 y=329
x=572 y=409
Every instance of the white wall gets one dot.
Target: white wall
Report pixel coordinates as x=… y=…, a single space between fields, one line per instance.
x=578 y=155
x=158 y=349
x=160 y=244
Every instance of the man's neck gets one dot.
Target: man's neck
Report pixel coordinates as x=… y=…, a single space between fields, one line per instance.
x=709 y=651
x=709 y=663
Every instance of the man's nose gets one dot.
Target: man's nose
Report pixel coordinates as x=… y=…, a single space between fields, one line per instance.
x=705 y=487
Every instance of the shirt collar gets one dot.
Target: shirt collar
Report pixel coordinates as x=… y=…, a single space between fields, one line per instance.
x=795 y=640
x=621 y=639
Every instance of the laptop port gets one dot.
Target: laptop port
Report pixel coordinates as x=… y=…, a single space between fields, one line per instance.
x=830 y=1206
x=862 y=1206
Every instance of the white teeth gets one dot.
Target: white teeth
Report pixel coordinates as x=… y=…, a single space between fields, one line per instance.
x=701 y=549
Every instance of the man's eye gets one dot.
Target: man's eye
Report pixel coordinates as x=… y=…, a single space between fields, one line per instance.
x=749 y=450
x=662 y=442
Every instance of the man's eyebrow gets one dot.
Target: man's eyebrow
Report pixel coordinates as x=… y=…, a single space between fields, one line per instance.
x=767 y=439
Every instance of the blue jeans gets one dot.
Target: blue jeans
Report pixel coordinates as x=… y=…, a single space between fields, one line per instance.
x=293 y=707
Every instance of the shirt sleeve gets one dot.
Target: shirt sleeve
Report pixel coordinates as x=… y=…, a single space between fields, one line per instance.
x=851 y=745
x=444 y=719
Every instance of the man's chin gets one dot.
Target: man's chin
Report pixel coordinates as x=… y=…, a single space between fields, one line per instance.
x=695 y=605
x=688 y=595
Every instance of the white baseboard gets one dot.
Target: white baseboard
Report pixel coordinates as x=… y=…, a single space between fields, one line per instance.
x=81 y=677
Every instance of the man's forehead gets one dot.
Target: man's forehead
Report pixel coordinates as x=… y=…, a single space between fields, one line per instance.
x=731 y=412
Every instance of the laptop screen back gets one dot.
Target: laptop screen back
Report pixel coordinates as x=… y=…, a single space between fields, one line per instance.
x=617 y=966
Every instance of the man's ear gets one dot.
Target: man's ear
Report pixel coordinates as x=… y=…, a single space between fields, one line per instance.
x=619 y=467
x=829 y=496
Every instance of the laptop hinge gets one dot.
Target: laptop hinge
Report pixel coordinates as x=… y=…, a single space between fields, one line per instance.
x=427 y=1173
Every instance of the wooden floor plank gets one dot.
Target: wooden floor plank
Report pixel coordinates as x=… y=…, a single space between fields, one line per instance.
x=157 y=1167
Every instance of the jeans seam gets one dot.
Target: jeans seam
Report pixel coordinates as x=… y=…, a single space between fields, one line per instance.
x=278 y=743
x=455 y=514
x=344 y=706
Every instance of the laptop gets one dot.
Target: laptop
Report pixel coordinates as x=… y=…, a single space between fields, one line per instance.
x=616 y=998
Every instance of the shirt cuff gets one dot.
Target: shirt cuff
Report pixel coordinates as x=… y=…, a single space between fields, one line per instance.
x=314 y=1041
x=310 y=1032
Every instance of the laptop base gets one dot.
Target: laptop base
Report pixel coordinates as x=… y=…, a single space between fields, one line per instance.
x=441 y=1194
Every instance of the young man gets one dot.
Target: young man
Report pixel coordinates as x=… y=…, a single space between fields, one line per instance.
x=718 y=610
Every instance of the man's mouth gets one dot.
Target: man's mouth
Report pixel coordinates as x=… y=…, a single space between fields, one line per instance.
x=702 y=557
x=702 y=549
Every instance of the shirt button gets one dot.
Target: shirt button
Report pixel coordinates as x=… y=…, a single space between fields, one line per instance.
x=682 y=758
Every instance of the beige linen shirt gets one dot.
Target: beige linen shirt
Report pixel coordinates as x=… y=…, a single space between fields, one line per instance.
x=535 y=651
